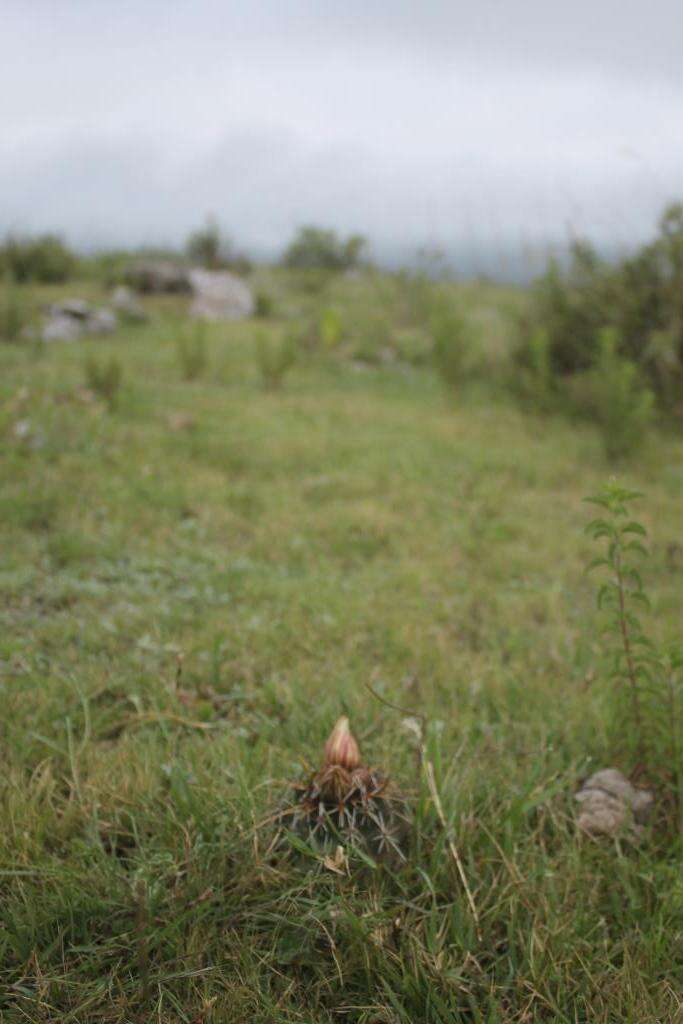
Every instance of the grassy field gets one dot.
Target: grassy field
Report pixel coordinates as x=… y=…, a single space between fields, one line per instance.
x=195 y=585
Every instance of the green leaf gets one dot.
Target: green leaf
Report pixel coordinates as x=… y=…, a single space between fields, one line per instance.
x=634 y=545
x=597 y=563
x=634 y=527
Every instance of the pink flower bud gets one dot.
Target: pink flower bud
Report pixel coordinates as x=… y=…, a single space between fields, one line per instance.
x=341 y=748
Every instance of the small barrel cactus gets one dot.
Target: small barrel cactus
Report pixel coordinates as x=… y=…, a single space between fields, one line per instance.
x=346 y=802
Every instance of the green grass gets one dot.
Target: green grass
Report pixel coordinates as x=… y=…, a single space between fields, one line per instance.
x=185 y=612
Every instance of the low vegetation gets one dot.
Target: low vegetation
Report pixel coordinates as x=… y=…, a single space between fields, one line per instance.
x=192 y=350
x=362 y=508
x=606 y=339
x=321 y=249
x=44 y=259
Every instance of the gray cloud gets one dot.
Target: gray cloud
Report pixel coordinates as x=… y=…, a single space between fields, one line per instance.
x=474 y=126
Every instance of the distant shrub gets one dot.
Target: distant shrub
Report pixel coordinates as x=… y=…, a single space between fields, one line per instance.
x=330 y=328
x=14 y=311
x=415 y=297
x=210 y=248
x=615 y=397
x=275 y=358
x=532 y=374
x=453 y=344
x=45 y=260
x=263 y=305
x=192 y=350
x=106 y=268
x=641 y=297
x=321 y=249
x=104 y=377
x=372 y=338
x=413 y=346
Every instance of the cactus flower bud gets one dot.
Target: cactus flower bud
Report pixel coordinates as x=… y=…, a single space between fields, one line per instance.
x=341 y=747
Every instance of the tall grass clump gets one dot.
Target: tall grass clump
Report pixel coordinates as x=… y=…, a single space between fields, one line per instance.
x=453 y=344
x=330 y=328
x=14 y=310
x=638 y=297
x=192 y=350
x=646 y=677
x=275 y=357
x=45 y=260
x=209 y=247
x=104 y=377
x=532 y=376
x=316 y=248
x=614 y=396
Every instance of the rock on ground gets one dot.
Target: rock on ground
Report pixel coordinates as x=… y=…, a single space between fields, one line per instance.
x=219 y=295
x=58 y=327
x=123 y=300
x=612 y=806
x=75 y=318
x=158 y=276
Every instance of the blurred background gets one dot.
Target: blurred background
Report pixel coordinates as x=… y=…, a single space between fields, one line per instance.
x=494 y=132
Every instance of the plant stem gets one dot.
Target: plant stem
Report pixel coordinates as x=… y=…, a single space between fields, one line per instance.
x=631 y=668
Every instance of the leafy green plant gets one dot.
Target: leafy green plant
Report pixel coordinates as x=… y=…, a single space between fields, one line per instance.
x=275 y=358
x=45 y=259
x=192 y=351
x=639 y=296
x=647 y=681
x=614 y=396
x=263 y=305
x=532 y=374
x=322 y=249
x=371 y=338
x=210 y=248
x=14 y=311
x=104 y=378
x=453 y=345
x=330 y=328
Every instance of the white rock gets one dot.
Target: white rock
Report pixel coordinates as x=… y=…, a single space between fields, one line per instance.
x=124 y=302
x=219 y=295
x=101 y=321
x=611 y=805
x=59 y=327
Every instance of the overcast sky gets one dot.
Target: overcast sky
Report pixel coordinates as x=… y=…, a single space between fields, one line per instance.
x=476 y=124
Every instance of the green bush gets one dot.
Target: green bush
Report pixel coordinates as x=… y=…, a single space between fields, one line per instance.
x=321 y=249
x=210 y=248
x=45 y=260
x=14 y=311
x=263 y=305
x=639 y=296
x=453 y=345
x=532 y=374
x=104 y=377
x=330 y=328
x=275 y=357
x=192 y=350
x=614 y=396
x=372 y=338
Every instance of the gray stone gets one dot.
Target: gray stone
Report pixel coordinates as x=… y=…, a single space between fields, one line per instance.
x=75 y=318
x=126 y=305
x=219 y=295
x=612 y=806
x=158 y=276
x=79 y=309
x=59 y=327
x=101 y=321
